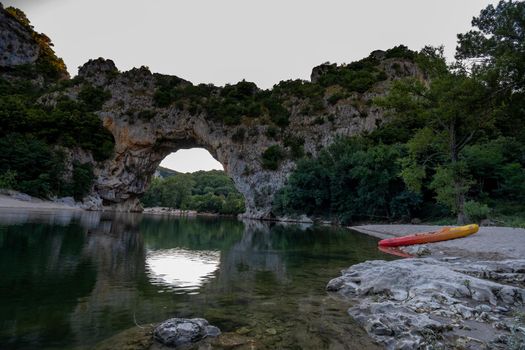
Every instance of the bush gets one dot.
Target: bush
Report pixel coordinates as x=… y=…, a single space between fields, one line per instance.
x=82 y=180
x=272 y=157
x=38 y=167
x=93 y=97
x=358 y=76
x=401 y=51
x=278 y=114
x=295 y=143
x=476 y=211
x=8 y=179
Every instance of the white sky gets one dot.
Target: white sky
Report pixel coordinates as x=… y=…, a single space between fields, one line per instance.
x=191 y=160
x=224 y=41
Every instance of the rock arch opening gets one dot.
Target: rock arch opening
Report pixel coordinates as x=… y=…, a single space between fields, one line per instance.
x=192 y=179
x=191 y=160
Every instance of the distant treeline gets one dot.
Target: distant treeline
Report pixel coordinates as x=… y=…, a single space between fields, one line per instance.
x=453 y=143
x=204 y=191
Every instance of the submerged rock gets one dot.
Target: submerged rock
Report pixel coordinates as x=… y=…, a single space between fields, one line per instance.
x=428 y=303
x=183 y=331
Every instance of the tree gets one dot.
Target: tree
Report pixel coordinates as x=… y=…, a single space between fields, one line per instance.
x=177 y=190
x=351 y=179
x=452 y=107
x=495 y=47
x=494 y=50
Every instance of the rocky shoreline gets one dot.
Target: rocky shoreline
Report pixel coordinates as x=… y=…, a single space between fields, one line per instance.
x=473 y=299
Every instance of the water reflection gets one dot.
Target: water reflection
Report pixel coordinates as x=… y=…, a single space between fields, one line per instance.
x=181 y=270
x=71 y=279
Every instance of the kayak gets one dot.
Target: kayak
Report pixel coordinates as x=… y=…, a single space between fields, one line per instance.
x=394 y=251
x=443 y=234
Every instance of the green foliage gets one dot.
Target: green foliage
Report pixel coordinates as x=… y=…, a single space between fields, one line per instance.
x=82 y=179
x=34 y=167
x=69 y=124
x=401 y=51
x=450 y=185
x=272 y=157
x=449 y=113
x=494 y=50
x=301 y=89
x=203 y=191
x=358 y=76
x=8 y=179
x=307 y=191
x=295 y=145
x=93 y=97
x=333 y=99
x=496 y=44
x=476 y=212
x=350 y=180
x=176 y=190
x=229 y=104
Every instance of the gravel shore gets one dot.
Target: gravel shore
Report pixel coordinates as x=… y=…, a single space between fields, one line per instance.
x=489 y=243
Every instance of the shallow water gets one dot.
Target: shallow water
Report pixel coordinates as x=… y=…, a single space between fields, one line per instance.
x=70 y=280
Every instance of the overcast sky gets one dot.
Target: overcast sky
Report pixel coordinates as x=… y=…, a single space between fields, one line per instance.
x=224 y=41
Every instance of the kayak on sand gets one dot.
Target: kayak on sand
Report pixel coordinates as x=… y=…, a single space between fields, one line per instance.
x=443 y=234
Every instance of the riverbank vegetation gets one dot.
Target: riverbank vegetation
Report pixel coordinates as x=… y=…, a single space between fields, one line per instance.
x=204 y=191
x=452 y=144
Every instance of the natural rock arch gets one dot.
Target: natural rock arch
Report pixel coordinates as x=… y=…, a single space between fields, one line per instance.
x=141 y=145
x=144 y=134
x=335 y=103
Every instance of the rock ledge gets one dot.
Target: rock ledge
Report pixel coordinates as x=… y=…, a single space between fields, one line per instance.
x=435 y=304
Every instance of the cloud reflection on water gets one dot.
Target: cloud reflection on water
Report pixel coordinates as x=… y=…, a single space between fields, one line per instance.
x=180 y=269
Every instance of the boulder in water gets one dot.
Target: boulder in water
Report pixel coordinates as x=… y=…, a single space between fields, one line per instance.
x=176 y=332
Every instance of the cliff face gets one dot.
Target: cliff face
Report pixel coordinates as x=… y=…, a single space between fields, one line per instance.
x=23 y=49
x=146 y=130
x=16 y=43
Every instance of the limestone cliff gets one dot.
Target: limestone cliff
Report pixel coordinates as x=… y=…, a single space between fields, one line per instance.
x=152 y=115
x=142 y=143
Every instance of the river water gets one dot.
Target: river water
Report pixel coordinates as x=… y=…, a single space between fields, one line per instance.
x=73 y=280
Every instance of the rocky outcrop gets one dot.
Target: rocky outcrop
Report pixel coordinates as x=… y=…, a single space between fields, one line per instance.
x=17 y=46
x=433 y=304
x=22 y=47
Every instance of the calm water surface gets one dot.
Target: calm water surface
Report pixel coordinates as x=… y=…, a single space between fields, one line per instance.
x=72 y=280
